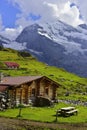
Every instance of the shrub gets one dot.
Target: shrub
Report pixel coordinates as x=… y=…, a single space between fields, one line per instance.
x=42 y=101
x=24 y=54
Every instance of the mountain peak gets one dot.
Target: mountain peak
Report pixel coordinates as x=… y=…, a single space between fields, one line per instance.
x=33 y=27
x=57 y=44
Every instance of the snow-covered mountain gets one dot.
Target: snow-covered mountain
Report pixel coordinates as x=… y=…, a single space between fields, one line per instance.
x=56 y=44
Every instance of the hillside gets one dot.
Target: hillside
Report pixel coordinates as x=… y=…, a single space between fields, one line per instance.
x=71 y=83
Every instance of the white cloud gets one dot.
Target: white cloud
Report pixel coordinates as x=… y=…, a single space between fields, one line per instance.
x=65 y=13
x=48 y=10
x=11 y=33
x=82 y=7
x=70 y=15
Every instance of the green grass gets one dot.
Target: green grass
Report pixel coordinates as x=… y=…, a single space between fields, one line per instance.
x=30 y=66
x=47 y=114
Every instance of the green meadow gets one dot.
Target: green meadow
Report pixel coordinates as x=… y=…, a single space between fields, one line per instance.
x=76 y=86
x=47 y=114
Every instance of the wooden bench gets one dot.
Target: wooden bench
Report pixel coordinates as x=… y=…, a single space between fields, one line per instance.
x=66 y=111
x=72 y=112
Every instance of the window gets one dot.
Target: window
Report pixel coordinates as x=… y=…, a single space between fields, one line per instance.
x=33 y=91
x=46 y=90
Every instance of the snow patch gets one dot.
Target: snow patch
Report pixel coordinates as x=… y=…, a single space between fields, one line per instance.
x=44 y=34
x=35 y=52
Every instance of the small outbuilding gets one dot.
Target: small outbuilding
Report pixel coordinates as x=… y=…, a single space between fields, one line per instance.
x=12 y=65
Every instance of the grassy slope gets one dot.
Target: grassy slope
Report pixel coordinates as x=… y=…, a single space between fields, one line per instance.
x=30 y=66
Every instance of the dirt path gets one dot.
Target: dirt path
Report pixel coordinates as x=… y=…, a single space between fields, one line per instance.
x=16 y=124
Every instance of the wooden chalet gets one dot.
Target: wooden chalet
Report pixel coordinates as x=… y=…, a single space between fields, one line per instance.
x=24 y=89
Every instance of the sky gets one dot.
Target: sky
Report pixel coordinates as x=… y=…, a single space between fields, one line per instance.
x=17 y=14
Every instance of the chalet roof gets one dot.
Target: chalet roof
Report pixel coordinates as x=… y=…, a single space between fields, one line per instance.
x=11 y=64
x=17 y=81
x=13 y=81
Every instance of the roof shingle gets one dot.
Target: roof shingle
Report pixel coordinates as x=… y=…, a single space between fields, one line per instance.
x=18 y=80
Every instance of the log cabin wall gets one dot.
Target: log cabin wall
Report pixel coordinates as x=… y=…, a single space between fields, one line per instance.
x=54 y=93
x=32 y=91
x=47 y=89
x=24 y=94
x=29 y=91
x=51 y=91
x=42 y=89
x=18 y=94
x=12 y=97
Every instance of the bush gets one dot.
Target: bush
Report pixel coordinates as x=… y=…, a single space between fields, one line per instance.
x=24 y=54
x=42 y=101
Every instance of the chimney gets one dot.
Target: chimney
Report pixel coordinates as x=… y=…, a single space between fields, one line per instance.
x=1 y=77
